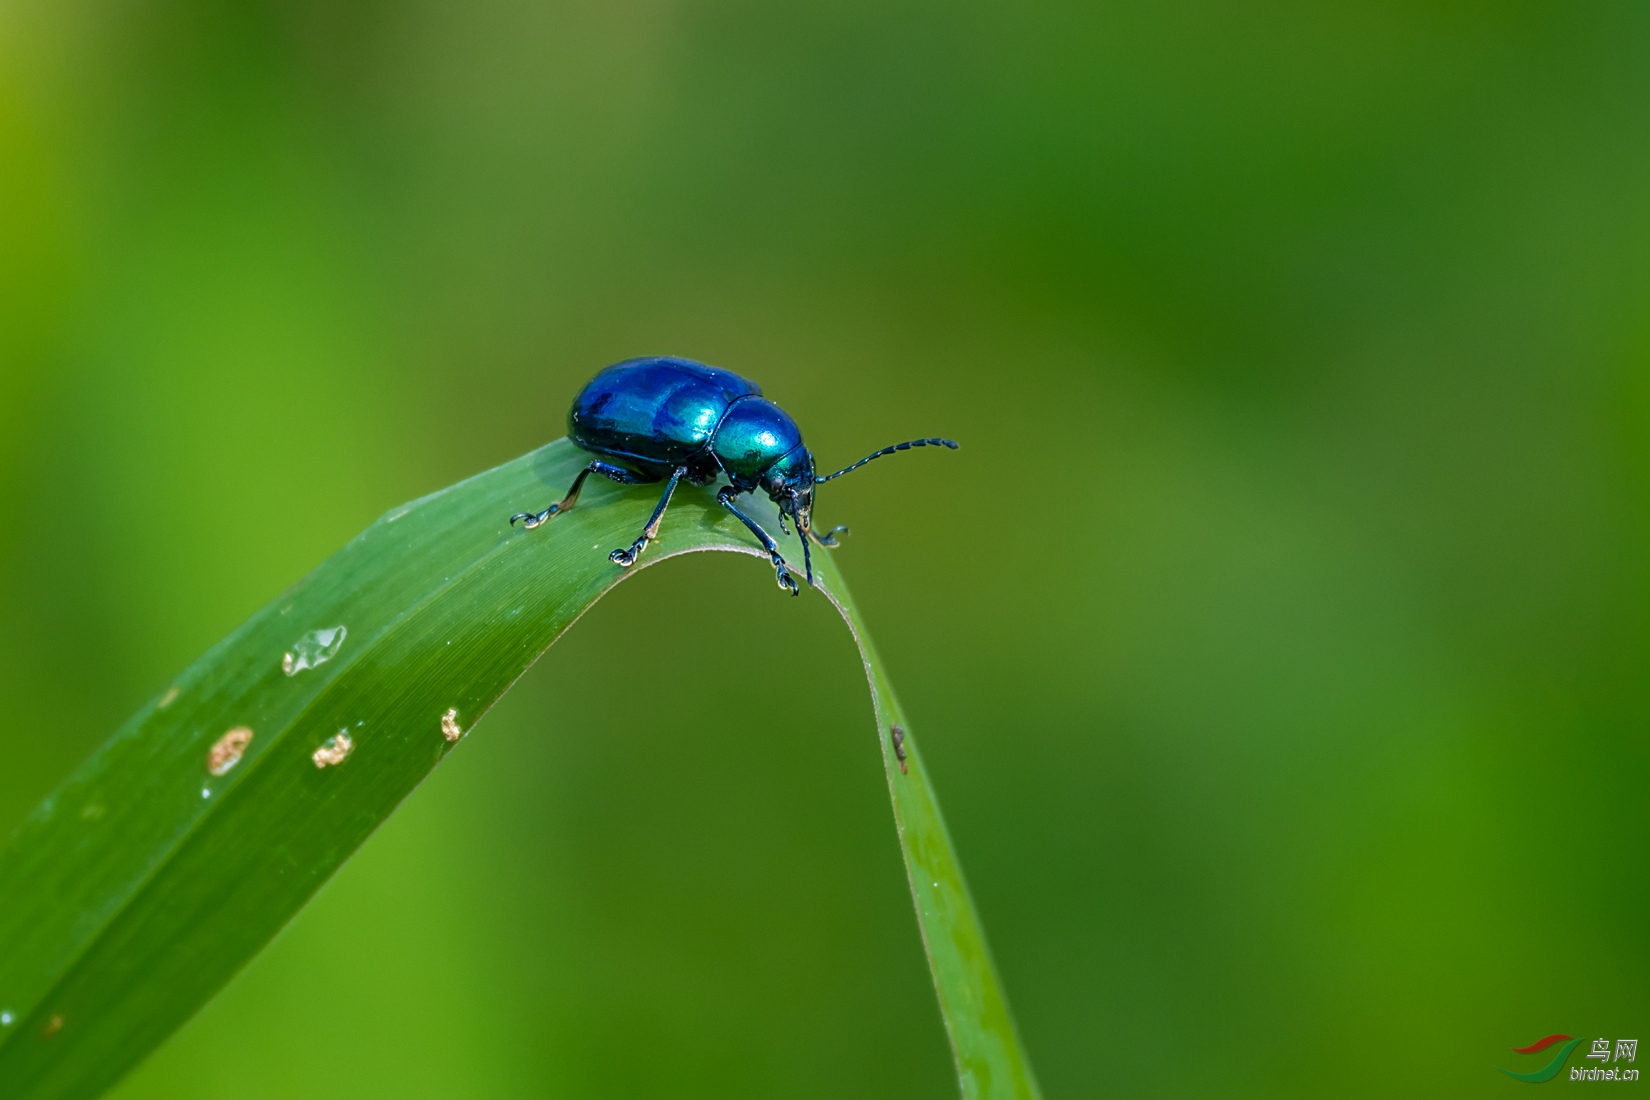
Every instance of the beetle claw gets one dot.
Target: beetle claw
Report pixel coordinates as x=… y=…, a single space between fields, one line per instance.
x=786 y=581
x=534 y=519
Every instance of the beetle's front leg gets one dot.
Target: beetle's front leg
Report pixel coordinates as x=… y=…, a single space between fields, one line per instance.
x=829 y=538
x=724 y=497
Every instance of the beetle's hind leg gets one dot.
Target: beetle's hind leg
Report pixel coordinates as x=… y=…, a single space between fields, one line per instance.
x=627 y=558
x=606 y=469
x=724 y=497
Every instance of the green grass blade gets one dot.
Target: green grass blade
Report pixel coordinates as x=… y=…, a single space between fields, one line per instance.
x=139 y=887
x=983 y=1043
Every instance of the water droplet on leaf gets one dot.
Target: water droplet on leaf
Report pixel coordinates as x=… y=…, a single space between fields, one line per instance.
x=313 y=649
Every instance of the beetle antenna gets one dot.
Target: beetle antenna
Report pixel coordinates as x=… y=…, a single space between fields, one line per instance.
x=888 y=451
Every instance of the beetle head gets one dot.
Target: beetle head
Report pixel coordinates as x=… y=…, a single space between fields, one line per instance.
x=789 y=483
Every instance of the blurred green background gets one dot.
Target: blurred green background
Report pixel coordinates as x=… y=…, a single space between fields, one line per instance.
x=1277 y=640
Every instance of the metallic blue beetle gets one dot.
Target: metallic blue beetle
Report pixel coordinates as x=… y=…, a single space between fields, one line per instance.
x=666 y=419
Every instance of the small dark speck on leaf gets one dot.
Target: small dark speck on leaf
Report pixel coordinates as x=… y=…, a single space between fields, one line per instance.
x=898 y=736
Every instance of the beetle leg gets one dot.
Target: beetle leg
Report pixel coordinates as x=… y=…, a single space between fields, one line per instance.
x=724 y=497
x=828 y=539
x=618 y=473
x=606 y=469
x=627 y=558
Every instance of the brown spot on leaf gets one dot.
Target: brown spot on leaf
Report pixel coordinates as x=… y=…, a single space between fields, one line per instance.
x=334 y=750
x=450 y=728
x=227 y=750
